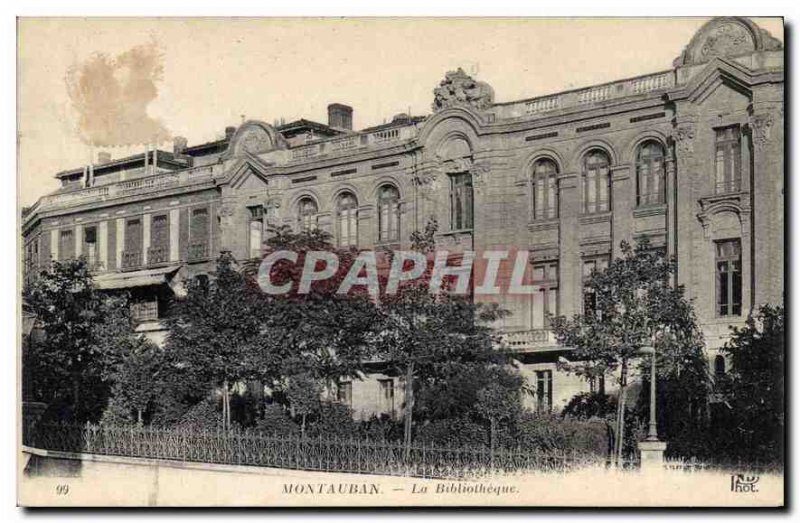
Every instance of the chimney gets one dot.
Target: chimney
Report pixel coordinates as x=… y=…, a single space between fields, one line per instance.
x=340 y=116
x=103 y=157
x=178 y=145
x=229 y=132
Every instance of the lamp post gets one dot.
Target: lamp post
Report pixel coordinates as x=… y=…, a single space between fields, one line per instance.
x=652 y=429
x=652 y=449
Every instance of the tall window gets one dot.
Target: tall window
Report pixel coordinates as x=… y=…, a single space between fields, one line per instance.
x=590 y=265
x=387 y=395
x=388 y=214
x=344 y=392
x=66 y=247
x=545 y=299
x=307 y=214
x=256 y=230
x=132 y=257
x=159 y=240
x=728 y=159
x=719 y=367
x=650 y=174
x=347 y=217
x=596 y=168
x=198 y=234
x=90 y=246
x=729 y=278
x=545 y=189
x=544 y=391
x=461 y=207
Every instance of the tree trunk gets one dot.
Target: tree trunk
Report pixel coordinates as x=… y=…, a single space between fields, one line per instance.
x=409 y=407
x=76 y=396
x=226 y=406
x=623 y=383
x=139 y=417
x=303 y=426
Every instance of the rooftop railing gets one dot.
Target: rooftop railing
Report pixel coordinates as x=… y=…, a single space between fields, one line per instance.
x=120 y=189
x=591 y=95
x=353 y=142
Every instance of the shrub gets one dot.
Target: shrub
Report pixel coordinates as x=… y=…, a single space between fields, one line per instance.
x=588 y=405
x=334 y=419
x=202 y=416
x=454 y=431
x=553 y=433
x=276 y=421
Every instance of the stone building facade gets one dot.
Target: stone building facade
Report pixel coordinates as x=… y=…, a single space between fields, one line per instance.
x=690 y=157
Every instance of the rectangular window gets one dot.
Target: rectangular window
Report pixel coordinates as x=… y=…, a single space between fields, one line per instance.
x=544 y=391
x=729 y=277
x=344 y=393
x=461 y=205
x=545 y=299
x=132 y=257
x=595 y=263
x=159 y=240
x=728 y=159
x=90 y=246
x=387 y=395
x=256 y=231
x=66 y=245
x=198 y=234
x=144 y=309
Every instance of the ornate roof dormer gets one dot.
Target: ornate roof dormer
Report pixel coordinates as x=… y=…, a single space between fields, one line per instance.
x=726 y=37
x=460 y=89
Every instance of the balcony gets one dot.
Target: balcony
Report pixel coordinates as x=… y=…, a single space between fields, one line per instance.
x=157 y=255
x=131 y=260
x=136 y=186
x=198 y=251
x=530 y=340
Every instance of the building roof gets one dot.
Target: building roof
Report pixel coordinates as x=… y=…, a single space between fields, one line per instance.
x=164 y=158
x=302 y=125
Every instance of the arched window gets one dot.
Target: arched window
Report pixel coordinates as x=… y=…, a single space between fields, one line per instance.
x=307 y=214
x=388 y=213
x=545 y=189
x=347 y=220
x=650 y=174
x=596 y=168
x=719 y=367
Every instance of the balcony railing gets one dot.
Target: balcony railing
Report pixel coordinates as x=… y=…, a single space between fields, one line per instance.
x=157 y=255
x=529 y=339
x=131 y=260
x=198 y=251
x=144 y=311
x=353 y=142
x=142 y=185
x=590 y=95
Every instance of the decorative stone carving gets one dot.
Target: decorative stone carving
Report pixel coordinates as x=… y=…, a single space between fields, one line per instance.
x=684 y=139
x=255 y=140
x=762 y=130
x=726 y=36
x=459 y=89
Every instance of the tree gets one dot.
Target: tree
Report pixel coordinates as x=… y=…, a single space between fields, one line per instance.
x=431 y=337
x=304 y=393
x=636 y=305
x=321 y=336
x=212 y=331
x=754 y=387
x=497 y=403
x=133 y=364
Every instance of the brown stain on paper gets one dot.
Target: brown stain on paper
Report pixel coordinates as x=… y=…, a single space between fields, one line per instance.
x=111 y=95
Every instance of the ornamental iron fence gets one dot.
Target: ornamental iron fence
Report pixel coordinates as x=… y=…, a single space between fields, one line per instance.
x=326 y=454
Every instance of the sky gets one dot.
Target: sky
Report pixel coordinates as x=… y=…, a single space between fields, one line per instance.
x=216 y=72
